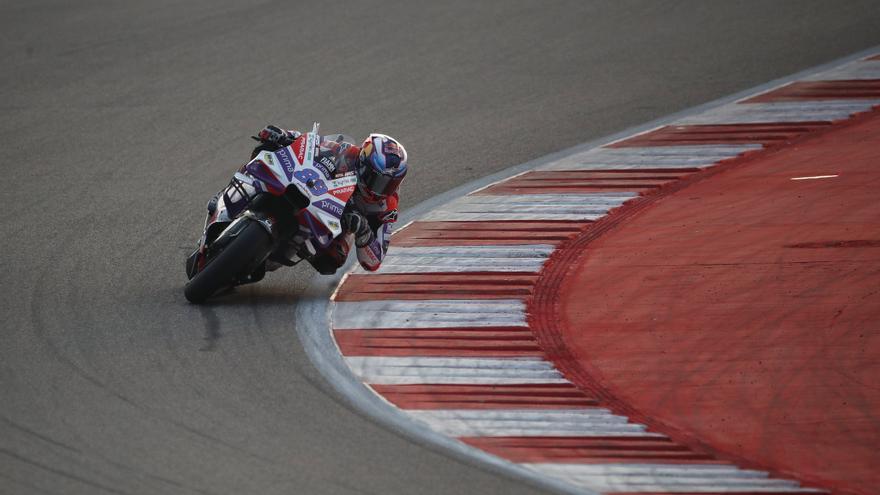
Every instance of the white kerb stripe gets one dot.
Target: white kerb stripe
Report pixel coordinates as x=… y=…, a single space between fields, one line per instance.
x=643 y=469
x=666 y=478
x=599 y=199
x=439 y=370
x=687 y=156
x=788 y=111
x=427 y=314
x=519 y=414
x=551 y=422
x=528 y=258
x=583 y=207
x=859 y=69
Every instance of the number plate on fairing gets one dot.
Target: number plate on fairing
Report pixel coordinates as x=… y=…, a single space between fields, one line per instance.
x=294 y=166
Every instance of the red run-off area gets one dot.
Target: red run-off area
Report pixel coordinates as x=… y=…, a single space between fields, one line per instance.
x=743 y=310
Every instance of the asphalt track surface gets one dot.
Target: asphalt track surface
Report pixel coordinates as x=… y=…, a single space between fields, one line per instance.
x=121 y=118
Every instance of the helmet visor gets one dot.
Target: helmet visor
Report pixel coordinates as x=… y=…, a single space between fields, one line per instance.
x=380 y=184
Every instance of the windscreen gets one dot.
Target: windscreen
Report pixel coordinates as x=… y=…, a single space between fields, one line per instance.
x=337 y=155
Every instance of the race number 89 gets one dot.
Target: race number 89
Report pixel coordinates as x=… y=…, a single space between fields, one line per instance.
x=312 y=180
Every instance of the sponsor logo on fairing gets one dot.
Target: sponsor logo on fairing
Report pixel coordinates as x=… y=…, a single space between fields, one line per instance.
x=310 y=149
x=331 y=207
x=346 y=180
x=286 y=162
x=301 y=149
x=326 y=166
x=343 y=193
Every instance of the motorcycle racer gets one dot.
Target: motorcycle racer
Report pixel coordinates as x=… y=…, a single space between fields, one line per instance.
x=381 y=165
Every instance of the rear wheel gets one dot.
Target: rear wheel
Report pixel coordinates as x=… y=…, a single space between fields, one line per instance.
x=243 y=254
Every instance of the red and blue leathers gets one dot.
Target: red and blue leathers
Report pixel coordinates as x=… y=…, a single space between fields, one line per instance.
x=380 y=214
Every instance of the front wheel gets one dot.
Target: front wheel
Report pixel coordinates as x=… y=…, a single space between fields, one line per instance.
x=246 y=250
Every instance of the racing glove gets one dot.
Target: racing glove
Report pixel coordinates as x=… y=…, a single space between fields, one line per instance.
x=355 y=222
x=272 y=134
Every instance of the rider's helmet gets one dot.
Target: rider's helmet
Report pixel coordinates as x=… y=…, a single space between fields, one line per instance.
x=381 y=168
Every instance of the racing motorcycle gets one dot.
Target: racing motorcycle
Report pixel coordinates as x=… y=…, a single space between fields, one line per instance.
x=281 y=207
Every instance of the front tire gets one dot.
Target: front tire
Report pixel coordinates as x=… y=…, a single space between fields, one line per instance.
x=249 y=248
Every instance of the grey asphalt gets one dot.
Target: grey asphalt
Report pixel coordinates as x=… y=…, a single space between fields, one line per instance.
x=120 y=119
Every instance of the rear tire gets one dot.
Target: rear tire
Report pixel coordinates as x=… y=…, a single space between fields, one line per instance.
x=248 y=248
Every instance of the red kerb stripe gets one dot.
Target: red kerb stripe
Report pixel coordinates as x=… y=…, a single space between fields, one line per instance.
x=487 y=233
x=588 y=450
x=417 y=286
x=516 y=396
x=448 y=342
x=738 y=492
x=766 y=134
x=822 y=90
x=585 y=181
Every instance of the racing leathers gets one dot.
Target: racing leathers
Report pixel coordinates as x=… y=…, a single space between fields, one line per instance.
x=371 y=243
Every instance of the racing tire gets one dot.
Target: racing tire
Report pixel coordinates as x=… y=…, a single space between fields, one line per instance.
x=249 y=248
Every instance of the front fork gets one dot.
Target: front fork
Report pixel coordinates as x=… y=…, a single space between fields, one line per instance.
x=223 y=208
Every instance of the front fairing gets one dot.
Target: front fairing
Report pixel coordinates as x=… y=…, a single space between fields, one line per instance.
x=324 y=213
x=317 y=167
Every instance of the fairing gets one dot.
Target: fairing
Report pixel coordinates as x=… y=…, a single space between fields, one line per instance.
x=328 y=184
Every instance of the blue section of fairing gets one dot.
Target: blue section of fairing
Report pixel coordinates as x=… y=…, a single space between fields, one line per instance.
x=233 y=209
x=319 y=233
x=258 y=170
x=287 y=163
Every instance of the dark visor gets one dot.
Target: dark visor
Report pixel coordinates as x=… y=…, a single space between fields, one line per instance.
x=380 y=184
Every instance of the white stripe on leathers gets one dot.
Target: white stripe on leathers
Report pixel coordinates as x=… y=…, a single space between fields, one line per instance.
x=575 y=207
x=650 y=157
x=689 y=478
x=583 y=422
x=427 y=314
x=439 y=370
x=528 y=258
x=787 y=111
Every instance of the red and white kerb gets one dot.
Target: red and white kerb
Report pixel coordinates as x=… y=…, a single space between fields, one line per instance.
x=442 y=331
